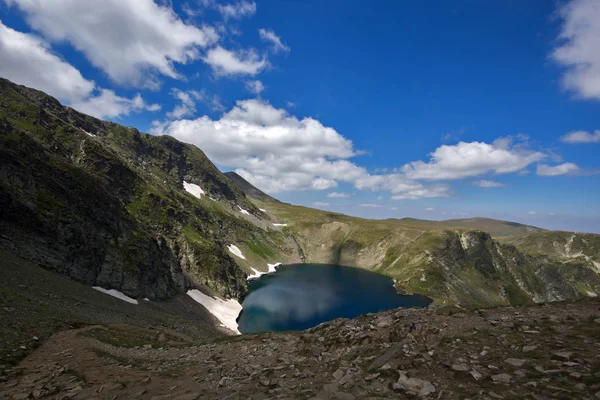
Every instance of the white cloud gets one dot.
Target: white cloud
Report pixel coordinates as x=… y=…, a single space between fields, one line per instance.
x=187 y=103
x=279 y=152
x=532 y=213
x=320 y=204
x=339 y=195
x=268 y=35
x=369 y=205
x=582 y=137
x=428 y=209
x=467 y=159
x=562 y=169
x=579 y=48
x=229 y=63
x=133 y=41
x=108 y=105
x=488 y=184
x=237 y=10
x=28 y=60
x=255 y=86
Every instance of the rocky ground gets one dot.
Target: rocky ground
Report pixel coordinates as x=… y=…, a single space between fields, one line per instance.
x=542 y=352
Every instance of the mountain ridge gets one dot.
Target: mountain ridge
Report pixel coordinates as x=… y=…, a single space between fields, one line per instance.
x=107 y=205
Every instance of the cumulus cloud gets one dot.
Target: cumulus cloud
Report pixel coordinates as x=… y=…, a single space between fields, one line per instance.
x=488 y=184
x=562 y=169
x=230 y=63
x=280 y=152
x=582 y=137
x=578 y=49
x=268 y=35
x=255 y=86
x=132 y=41
x=27 y=59
x=108 y=105
x=339 y=195
x=468 y=159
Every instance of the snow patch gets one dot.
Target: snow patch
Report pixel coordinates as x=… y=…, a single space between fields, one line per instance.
x=233 y=249
x=193 y=189
x=226 y=311
x=243 y=211
x=88 y=133
x=263 y=210
x=257 y=274
x=279 y=224
x=146 y=299
x=116 y=293
x=273 y=267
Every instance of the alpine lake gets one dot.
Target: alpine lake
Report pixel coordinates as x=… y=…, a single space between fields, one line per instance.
x=301 y=296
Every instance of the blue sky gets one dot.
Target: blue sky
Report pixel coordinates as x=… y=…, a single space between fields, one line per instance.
x=376 y=109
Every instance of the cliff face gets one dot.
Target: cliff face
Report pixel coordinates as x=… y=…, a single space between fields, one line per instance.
x=452 y=266
x=105 y=204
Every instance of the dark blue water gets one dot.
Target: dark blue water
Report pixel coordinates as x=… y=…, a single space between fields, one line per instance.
x=301 y=296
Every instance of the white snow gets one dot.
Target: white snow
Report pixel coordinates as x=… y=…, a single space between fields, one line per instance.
x=89 y=134
x=279 y=224
x=236 y=251
x=116 y=293
x=193 y=189
x=226 y=311
x=243 y=211
x=258 y=274
x=262 y=209
x=273 y=267
x=146 y=299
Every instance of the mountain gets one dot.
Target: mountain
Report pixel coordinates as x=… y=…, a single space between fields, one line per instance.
x=250 y=190
x=151 y=217
x=494 y=227
x=106 y=204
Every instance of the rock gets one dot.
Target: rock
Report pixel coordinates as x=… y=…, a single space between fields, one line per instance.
x=564 y=355
x=344 y=396
x=495 y=395
x=338 y=374
x=414 y=386
x=330 y=388
x=501 y=378
x=527 y=349
x=516 y=362
x=460 y=367
x=225 y=380
x=147 y=346
x=371 y=377
x=188 y=396
x=476 y=375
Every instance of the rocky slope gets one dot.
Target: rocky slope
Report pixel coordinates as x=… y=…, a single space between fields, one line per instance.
x=110 y=206
x=106 y=205
x=540 y=352
x=451 y=265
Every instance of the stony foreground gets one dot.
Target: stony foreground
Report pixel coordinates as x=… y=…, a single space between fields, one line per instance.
x=550 y=351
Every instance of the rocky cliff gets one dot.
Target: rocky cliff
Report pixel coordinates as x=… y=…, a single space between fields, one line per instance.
x=106 y=205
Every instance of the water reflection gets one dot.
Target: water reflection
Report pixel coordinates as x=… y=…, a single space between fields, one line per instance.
x=303 y=295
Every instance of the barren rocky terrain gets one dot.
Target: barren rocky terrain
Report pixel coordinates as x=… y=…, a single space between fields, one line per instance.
x=539 y=352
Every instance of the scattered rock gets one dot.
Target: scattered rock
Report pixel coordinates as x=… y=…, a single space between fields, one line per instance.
x=414 y=386
x=516 y=362
x=460 y=367
x=501 y=378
